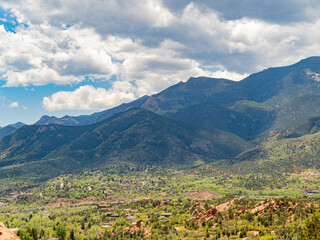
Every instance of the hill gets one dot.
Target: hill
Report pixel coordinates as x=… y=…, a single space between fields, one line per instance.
x=311 y=126
x=136 y=136
x=213 y=115
x=209 y=120
x=10 y=128
x=295 y=112
x=246 y=119
x=279 y=155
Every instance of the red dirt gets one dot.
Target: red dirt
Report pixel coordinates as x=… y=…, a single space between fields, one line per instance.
x=202 y=194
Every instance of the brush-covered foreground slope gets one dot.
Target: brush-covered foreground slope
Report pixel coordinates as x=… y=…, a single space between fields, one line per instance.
x=137 y=136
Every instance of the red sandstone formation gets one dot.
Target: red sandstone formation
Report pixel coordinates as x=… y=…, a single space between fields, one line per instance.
x=208 y=215
x=6 y=234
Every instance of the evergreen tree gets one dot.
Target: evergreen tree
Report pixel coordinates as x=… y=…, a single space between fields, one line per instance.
x=312 y=228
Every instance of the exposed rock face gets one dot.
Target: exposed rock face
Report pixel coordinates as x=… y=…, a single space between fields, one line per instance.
x=290 y=208
x=241 y=210
x=269 y=205
x=133 y=229
x=208 y=215
x=6 y=234
x=138 y=224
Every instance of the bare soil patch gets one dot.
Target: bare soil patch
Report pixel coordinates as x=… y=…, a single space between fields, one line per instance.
x=202 y=194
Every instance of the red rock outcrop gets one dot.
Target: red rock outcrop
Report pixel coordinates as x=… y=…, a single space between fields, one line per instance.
x=135 y=228
x=241 y=210
x=208 y=215
x=6 y=234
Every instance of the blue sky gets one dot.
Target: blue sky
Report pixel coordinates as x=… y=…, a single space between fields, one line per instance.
x=78 y=56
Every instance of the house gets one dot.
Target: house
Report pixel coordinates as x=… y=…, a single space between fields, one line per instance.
x=102 y=207
x=166 y=214
x=109 y=214
x=131 y=217
x=311 y=191
x=107 y=225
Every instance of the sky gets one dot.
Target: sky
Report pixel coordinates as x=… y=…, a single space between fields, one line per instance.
x=75 y=57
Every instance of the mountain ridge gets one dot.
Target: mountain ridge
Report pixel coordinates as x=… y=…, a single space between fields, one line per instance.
x=136 y=136
x=6 y=130
x=273 y=87
x=190 y=123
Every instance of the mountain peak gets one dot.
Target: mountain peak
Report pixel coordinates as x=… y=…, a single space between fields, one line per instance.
x=309 y=62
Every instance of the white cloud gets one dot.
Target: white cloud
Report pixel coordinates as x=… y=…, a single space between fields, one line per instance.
x=89 y=98
x=43 y=54
x=228 y=75
x=145 y=44
x=14 y=105
x=152 y=68
x=104 y=15
x=284 y=11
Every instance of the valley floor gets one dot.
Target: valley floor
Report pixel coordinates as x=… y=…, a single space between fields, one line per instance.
x=154 y=203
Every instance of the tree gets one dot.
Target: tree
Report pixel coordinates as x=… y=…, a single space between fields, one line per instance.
x=312 y=229
x=61 y=232
x=26 y=236
x=72 y=237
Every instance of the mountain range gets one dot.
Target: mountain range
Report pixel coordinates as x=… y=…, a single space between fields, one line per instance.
x=273 y=87
x=4 y=131
x=198 y=121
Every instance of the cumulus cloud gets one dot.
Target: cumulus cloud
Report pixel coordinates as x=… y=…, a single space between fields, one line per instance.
x=285 y=11
x=43 y=54
x=106 y=16
x=14 y=105
x=89 y=98
x=149 y=45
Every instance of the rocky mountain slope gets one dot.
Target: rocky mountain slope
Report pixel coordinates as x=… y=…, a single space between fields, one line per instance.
x=198 y=121
x=136 y=136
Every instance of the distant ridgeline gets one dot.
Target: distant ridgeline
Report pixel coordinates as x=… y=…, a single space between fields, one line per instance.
x=271 y=117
